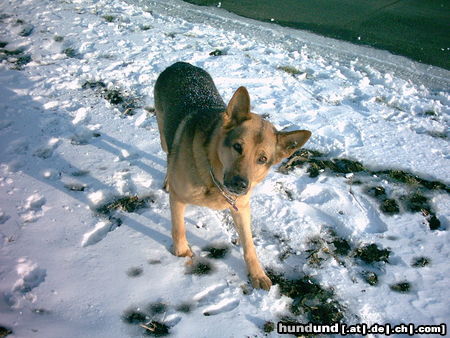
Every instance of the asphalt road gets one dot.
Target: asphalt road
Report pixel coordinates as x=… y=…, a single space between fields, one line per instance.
x=418 y=29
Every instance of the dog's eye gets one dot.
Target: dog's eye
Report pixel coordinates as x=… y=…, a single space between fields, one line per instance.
x=237 y=147
x=262 y=160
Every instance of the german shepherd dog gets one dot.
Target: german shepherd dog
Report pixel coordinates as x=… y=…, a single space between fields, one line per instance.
x=216 y=153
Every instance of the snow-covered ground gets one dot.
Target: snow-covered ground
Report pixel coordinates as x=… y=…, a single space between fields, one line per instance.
x=68 y=271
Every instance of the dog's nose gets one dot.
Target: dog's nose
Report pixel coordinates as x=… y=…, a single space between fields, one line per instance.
x=237 y=184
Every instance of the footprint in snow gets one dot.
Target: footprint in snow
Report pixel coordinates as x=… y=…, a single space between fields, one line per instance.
x=124 y=183
x=18 y=147
x=125 y=155
x=217 y=300
x=224 y=305
x=3 y=217
x=32 y=210
x=35 y=202
x=47 y=150
x=5 y=124
x=82 y=136
x=101 y=229
x=31 y=276
x=209 y=293
x=81 y=116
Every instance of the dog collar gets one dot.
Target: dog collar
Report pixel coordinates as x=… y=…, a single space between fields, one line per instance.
x=230 y=199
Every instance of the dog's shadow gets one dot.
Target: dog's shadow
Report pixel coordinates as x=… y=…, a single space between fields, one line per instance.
x=40 y=116
x=50 y=123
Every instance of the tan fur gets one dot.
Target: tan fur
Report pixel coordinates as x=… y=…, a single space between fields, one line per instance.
x=189 y=181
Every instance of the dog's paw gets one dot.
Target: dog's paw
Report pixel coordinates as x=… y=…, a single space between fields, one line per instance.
x=261 y=281
x=182 y=251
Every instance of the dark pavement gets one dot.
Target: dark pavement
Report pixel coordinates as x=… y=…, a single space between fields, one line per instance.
x=418 y=29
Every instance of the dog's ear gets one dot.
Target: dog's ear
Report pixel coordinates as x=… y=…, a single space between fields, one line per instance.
x=238 y=109
x=289 y=142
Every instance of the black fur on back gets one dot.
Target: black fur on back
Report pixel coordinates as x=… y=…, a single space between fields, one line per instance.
x=183 y=89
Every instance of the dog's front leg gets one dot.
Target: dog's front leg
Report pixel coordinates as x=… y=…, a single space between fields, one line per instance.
x=180 y=243
x=242 y=221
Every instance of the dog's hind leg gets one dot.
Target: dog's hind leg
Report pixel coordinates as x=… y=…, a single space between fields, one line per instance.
x=180 y=243
x=160 y=120
x=166 y=178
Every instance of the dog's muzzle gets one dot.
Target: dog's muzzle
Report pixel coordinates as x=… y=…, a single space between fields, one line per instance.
x=236 y=184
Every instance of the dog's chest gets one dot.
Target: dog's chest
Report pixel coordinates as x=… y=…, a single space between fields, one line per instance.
x=209 y=197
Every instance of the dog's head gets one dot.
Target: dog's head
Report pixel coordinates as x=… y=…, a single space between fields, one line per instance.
x=249 y=145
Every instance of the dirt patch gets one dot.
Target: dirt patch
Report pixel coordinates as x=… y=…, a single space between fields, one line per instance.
x=217 y=251
x=433 y=222
x=377 y=191
x=342 y=247
x=135 y=316
x=322 y=248
x=185 y=307
x=156 y=329
x=126 y=102
x=157 y=308
x=372 y=254
x=200 y=266
x=310 y=299
x=93 y=85
x=402 y=287
x=416 y=202
x=323 y=162
x=135 y=272
x=5 y=332
x=127 y=204
x=71 y=52
x=420 y=262
x=288 y=193
x=389 y=206
x=154 y=261
x=109 y=18
x=15 y=57
x=217 y=52
x=268 y=327
x=370 y=277
x=317 y=163
x=291 y=70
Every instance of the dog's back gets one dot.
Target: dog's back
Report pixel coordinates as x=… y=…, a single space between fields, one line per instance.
x=185 y=90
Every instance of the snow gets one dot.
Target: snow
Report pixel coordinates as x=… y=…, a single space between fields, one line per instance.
x=65 y=151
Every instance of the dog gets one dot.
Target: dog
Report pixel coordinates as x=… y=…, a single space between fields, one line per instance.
x=216 y=153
